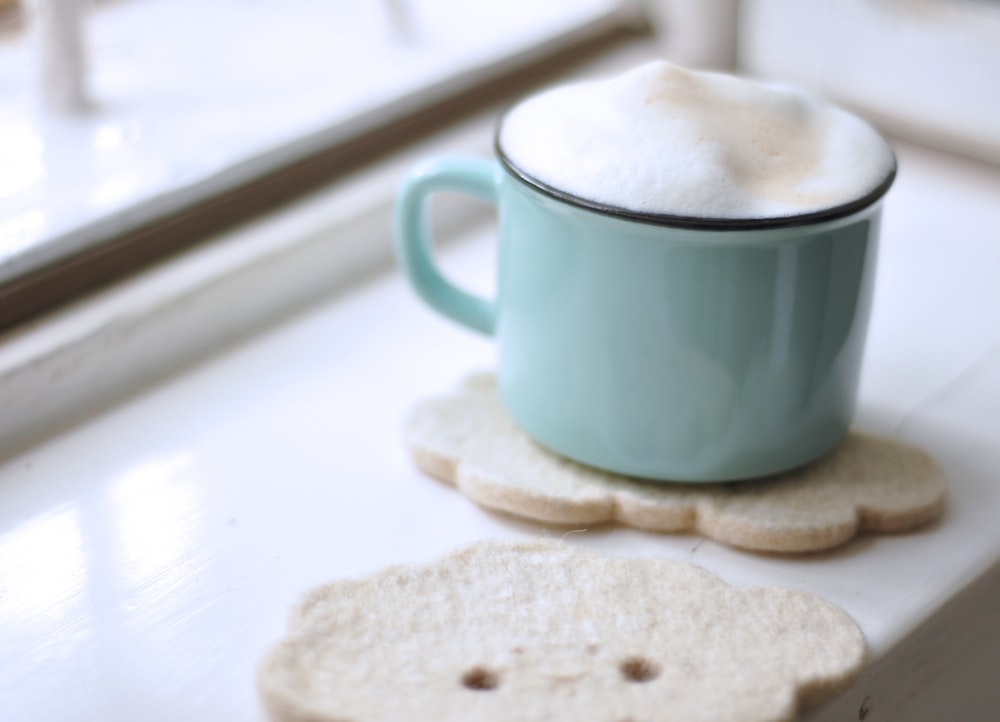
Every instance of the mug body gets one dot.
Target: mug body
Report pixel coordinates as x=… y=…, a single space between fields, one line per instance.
x=676 y=353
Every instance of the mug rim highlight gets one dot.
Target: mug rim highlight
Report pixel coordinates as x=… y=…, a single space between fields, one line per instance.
x=837 y=212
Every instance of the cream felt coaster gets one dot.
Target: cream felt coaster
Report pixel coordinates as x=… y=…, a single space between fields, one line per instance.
x=868 y=483
x=542 y=631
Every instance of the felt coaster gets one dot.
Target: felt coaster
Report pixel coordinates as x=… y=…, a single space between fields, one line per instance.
x=543 y=631
x=868 y=483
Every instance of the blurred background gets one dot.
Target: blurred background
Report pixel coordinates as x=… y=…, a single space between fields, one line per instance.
x=132 y=128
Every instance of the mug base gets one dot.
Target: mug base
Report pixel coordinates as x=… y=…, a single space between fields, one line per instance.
x=730 y=473
x=749 y=463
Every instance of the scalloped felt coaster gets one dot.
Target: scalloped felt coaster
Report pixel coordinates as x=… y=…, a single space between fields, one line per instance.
x=543 y=631
x=868 y=483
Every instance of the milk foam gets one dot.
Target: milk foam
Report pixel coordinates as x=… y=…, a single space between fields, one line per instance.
x=662 y=139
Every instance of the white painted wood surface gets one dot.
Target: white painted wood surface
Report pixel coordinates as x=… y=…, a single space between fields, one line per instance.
x=149 y=555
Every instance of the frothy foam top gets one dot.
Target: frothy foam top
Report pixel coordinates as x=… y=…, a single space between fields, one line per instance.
x=661 y=139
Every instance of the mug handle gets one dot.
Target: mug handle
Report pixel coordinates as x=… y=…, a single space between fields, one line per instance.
x=476 y=177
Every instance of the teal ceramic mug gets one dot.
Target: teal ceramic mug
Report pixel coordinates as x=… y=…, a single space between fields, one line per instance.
x=661 y=347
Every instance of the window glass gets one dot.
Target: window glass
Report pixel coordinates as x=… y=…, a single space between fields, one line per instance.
x=188 y=98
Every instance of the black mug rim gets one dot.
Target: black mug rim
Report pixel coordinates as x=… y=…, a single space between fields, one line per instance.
x=694 y=222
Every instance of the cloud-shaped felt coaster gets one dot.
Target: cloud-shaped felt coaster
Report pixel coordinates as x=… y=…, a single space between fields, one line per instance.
x=542 y=631
x=868 y=483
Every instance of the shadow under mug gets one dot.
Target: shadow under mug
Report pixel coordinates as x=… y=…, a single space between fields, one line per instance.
x=660 y=347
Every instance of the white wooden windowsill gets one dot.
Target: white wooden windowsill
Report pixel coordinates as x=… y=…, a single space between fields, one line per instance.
x=149 y=554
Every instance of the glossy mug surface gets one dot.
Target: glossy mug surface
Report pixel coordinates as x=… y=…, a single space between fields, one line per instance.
x=663 y=350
